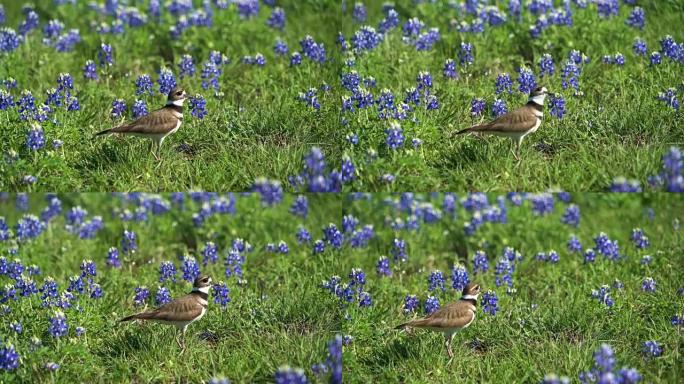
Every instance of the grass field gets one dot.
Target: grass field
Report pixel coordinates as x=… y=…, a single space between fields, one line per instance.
x=550 y=324
x=276 y=316
x=257 y=126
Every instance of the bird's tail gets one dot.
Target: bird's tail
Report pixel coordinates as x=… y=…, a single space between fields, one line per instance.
x=137 y=316
x=402 y=326
x=105 y=132
x=474 y=128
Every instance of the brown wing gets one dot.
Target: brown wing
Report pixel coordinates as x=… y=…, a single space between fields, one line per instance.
x=184 y=308
x=518 y=120
x=452 y=315
x=159 y=121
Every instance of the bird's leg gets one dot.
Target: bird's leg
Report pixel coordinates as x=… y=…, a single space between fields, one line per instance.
x=178 y=341
x=183 y=339
x=153 y=150
x=447 y=340
x=517 y=149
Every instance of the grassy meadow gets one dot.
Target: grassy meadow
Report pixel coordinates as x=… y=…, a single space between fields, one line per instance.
x=276 y=315
x=256 y=125
x=550 y=324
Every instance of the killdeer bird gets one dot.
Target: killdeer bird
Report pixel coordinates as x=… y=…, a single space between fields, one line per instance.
x=452 y=317
x=518 y=123
x=158 y=124
x=182 y=311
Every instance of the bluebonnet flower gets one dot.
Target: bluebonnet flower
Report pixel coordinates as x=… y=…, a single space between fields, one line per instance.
x=143 y=85
x=459 y=278
x=399 y=250
x=113 y=258
x=621 y=184
x=639 y=238
x=589 y=256
x=503 y=272
x=503 y=83
x=9 y=358
x=277 y=19
x=79 y=331
x=288 y=375
x=412 y=27
x=30 y=23
x=198 y=106
x=607 y=8
x=186 y=66
x=655 y=58
x=449 y=70
x=312 y=50
x=167 y=271
x=603 y=296
x=489 y=303
x=571 y=216
x=359 y=13
x=619 y=59
x=166 y=81
x=141 y=295
x=607 y=247
x=210 y=76
x=35 y=139
x=557 y=106
x=310 y=98
x=477 y=107
x=190 y=268
x=88 y=268
x=28 y=227
x=639 y=47
x=546 y=65
x=58 y=326
x=118 y=108
x=9 y=40
x=465 y=54
x=209 y=253
x=570 y=75
x=221 y=294
x=247 y=8
x=76 y=284
x=365 y=299
x=283 y=248
x=646 y=259
x=16 y=327
x=431 y=305
x=347 y=170
x=382 y=266
x=652 y=349
x=333 y=236
x=303 y=236
x=395 y=136
x=436 y=280
x=26 y=105
x=139 y=109
x=636 y=18
x=6 y=100
x=480 y=262
x=669 y=97
x=366 y=39
x=105 y=55
x=499 y=108
x=670 y=48
x=233 y=263
x=270 y=191
x=410 y=303
x=648 y=285
x=526 y=80
x=427 y=40
x=574 y=245
x=295 y=59
x=51 y=366
x=129 y=242
x=95 y=290
x=280 y=48
x=318 y=247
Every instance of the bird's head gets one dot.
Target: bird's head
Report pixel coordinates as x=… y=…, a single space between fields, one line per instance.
x=177 y=96
x=471 y=291
x=539 y=94
x=201 y=282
